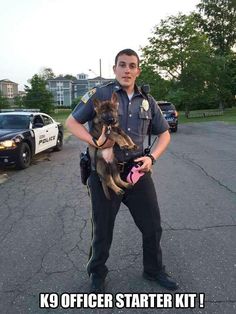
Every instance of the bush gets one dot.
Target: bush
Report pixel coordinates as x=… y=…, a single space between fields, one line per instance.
x=75 y=102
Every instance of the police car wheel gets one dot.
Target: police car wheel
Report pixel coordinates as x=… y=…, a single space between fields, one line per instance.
x=24 y=158
x=59 y=145
x=174 y=129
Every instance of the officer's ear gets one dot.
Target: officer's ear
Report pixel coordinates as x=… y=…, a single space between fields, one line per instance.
x=138 y=72
x=96 y=103
x=114 y=99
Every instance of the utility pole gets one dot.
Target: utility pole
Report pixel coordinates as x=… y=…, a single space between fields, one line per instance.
x=100 y=70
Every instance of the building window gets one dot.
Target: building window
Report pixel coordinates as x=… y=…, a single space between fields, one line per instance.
x=9 y=91
x=60 y=98
x=60 y=102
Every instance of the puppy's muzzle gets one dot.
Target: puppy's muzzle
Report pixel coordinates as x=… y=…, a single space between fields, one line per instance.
x=109 y=120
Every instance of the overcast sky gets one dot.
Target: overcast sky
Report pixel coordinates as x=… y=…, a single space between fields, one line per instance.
x=70 y=36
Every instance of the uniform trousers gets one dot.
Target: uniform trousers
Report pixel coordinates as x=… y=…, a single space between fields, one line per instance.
x=142 y=203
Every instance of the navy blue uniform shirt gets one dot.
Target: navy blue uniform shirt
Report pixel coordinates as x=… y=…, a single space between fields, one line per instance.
x=134 y=115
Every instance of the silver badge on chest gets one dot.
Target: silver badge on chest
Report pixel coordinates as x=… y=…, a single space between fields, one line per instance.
x=145 y=105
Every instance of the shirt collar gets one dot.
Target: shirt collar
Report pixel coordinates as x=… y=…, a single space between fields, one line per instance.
x=137 y=90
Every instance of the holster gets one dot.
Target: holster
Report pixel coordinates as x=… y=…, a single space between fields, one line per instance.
x=85 y=166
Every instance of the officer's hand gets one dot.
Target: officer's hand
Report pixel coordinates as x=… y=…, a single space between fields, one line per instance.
x=103 y=139
x=147 y=163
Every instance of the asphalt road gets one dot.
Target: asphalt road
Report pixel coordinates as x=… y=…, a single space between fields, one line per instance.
x=45 y=228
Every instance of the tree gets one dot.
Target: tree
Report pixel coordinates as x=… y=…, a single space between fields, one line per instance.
x=158 y=86
x=232 y=73
x=172 y=44
x=18 y=102
x=38 y=97
x=75 y=102
x=3 y=101
x=179 y=51
x=47 y=74
x=218 y=20
x=70 y=77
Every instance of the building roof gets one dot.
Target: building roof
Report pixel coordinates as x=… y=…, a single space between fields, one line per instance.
x=98 y=78
x=7 y=81
x=60 y=78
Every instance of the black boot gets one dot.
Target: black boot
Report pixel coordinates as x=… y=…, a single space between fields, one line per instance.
x=163 y=279
x=97 y=284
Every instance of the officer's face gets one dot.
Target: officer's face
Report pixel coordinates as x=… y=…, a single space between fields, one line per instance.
x=126 y=71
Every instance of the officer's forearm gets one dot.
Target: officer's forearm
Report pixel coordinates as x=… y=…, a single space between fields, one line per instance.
x=161 y=145
x=78 y=130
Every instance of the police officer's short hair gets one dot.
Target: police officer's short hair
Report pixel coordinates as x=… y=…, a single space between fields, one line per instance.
x=128 y=52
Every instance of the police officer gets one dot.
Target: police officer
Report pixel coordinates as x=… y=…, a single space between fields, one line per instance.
x=135 y=114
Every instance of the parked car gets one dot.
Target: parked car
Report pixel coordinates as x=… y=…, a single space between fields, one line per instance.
x=170 y=113
x=24 y=134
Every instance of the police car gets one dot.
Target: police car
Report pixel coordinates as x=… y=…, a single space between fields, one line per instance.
x=170 y=114
x=24 y=134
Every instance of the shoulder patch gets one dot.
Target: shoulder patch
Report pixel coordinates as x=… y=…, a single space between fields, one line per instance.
x=88 y=95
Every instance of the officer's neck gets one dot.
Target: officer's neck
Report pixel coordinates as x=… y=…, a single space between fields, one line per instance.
x=129 y=89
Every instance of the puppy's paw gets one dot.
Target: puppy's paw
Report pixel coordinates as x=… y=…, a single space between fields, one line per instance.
x=133 y=147
x=125 y=146
x=129 y=185
x=120 y=192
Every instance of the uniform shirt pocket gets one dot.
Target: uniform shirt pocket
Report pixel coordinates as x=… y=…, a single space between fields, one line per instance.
x=121 y=116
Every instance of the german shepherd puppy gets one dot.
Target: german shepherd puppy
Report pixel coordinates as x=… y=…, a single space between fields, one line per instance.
x=104 y=159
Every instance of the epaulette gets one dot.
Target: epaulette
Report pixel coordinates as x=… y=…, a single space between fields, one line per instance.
x=107 y=84
x=112 y=84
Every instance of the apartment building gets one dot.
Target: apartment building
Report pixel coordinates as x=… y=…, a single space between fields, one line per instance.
x=65 y=90
x=61 y=88
x=8 y=89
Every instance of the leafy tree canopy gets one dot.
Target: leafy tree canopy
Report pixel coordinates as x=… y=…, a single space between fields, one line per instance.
x=180 y=52
x=174 y=43
x=218 y=20
x=3 y=101
x=158 y=85
x=47 y=73
x=75 y=102
x=70 y=77
x=38 y=97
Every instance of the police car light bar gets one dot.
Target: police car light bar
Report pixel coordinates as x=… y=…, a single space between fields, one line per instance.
x=19 y=110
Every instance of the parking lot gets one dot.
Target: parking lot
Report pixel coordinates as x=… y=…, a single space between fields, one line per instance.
x=45 y=227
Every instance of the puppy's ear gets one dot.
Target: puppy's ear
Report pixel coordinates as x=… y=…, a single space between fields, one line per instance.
x=96 y=104
x=114 y=98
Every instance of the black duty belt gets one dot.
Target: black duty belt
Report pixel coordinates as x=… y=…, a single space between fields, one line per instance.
x=122 y=166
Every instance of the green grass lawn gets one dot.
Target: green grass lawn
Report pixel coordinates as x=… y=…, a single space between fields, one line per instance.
x=229 y=116
x=61 y=116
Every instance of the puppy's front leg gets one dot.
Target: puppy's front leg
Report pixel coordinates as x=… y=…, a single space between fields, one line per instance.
x=122 y=139
x=128 y=139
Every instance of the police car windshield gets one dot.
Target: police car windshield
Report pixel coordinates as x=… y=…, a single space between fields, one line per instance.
x=166 y=106
x=17 y=122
